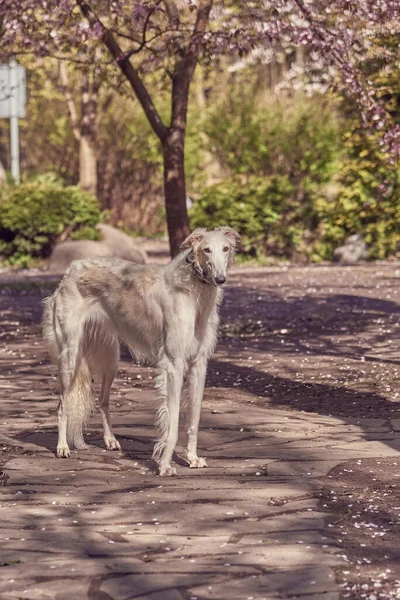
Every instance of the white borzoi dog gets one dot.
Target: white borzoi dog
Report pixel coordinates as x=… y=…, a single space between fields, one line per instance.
x=164 y=314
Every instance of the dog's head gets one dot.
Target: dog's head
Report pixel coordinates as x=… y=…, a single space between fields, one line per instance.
x=211 y=252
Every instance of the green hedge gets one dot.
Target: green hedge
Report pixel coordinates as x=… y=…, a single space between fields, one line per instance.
x=263 y=209
x=367 y=202
x=299 y=180
x=34 y=215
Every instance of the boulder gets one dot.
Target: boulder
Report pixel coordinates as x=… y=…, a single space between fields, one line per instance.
x=114 y=243
x=123 y=245
x=352 y=251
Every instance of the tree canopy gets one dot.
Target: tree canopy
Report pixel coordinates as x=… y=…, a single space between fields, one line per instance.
x=155 y=35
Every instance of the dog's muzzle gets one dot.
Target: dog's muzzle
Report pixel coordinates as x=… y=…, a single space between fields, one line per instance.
x=220 y=280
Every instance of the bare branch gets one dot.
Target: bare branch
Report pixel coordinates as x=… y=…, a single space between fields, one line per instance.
x=143 y=41
x=172 y=12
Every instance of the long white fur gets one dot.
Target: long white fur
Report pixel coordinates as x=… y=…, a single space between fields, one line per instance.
x=165 y=315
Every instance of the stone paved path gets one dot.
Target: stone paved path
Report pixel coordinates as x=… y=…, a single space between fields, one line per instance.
x=102 y=526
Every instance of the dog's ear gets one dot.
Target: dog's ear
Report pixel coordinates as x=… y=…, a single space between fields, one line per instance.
x=194 y=238
x=230 y=233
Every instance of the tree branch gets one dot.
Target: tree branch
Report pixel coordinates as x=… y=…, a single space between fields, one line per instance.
x=200 y=26
x=184 y=69
x=127 y=69
x=143 y=42
x=172 y=12
x=177 y=40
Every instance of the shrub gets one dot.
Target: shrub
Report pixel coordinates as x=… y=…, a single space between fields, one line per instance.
x=297 y=186
x=367 y=202
x=297 y=137
x=264 y=210
x=278 y=156
x=273 y=223
x=34 y=215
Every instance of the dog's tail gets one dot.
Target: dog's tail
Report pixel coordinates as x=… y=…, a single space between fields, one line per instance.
x=78 y=403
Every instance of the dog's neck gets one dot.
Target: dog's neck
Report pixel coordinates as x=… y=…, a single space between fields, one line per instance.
x=185 y=276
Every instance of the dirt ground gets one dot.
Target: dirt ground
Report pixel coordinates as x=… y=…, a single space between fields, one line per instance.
x=318 y=347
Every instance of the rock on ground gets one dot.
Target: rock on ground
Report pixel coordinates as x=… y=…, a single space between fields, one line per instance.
x=352 y=251
x=114 y=243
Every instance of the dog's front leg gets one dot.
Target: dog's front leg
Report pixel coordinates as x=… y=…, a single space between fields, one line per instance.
x=62 y=444
x=194 y=397
x=170 y=381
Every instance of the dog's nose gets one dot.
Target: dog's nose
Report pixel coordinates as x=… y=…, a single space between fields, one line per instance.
x=220 y=280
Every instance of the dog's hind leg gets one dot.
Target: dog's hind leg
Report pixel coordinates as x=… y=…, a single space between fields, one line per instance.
x=67 y=365
x=103 y=356
x=112 y=358
x=193 y=397
x=66 y=368
x=54 y=336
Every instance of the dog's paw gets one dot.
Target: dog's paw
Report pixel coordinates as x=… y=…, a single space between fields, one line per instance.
x=197 y=463
x=63 y=451
x=167 y=471
x=112 y=444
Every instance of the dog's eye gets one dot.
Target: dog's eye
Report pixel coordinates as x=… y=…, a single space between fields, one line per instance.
x=207 y=250
x=225 y=249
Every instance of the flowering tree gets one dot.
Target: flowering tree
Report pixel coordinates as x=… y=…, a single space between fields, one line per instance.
x=169 y=37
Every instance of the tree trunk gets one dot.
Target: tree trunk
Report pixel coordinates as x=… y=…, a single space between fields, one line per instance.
x=84 y=129
x=87 y=165
x=3 y=174
x=87 y=140
x=210 y=163
x=175 y=189
x=173 y=137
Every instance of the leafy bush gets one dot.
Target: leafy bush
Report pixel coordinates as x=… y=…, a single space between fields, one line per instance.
x=34 y=215
x=367 y=202
x=298 y=137
x=280 y=156
x=264 y=210
x=273 y=223
x=297 y=183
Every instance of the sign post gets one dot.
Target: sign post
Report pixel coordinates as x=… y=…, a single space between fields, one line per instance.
x=14 y=133
x=13 y=106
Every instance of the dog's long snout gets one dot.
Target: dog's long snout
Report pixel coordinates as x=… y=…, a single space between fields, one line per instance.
x=220 y=280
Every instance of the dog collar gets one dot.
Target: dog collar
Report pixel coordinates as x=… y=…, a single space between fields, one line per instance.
x=200 y=274
x=198 y=271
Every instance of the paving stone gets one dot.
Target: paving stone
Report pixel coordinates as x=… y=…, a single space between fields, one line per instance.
x=279 y=584
x=163 y=595
x=395 y=424
x=138 y=585
x=101 y=524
